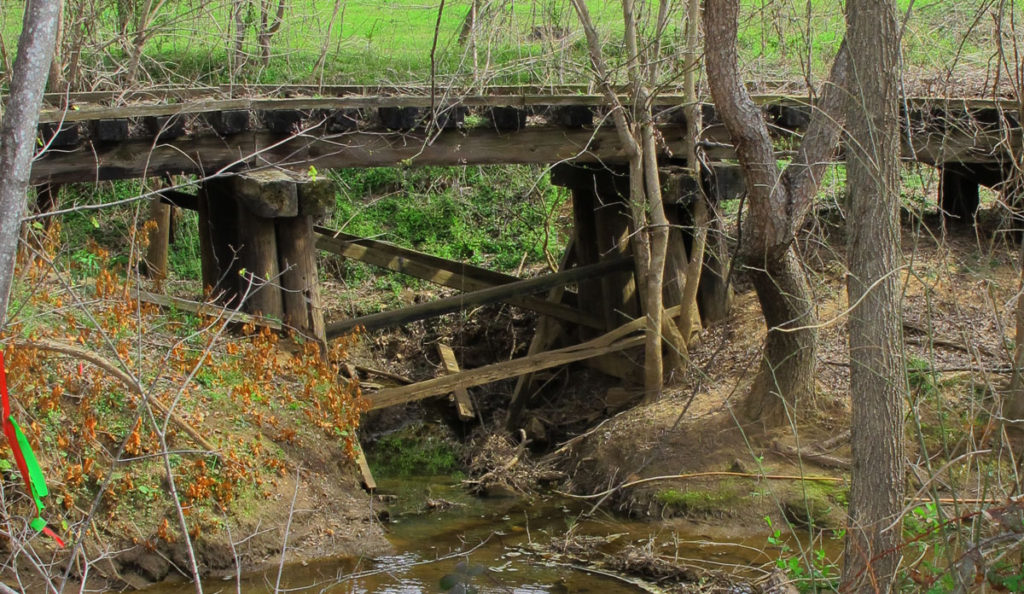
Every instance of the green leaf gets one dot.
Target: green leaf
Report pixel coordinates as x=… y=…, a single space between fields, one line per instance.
x=94 y=222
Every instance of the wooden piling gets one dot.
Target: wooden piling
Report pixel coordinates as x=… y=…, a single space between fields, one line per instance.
x=159 y=239
x=958 y=195
x=257 y=243
x=585 y=242
x=218 y=231
x=301 y=293
x=612 y=222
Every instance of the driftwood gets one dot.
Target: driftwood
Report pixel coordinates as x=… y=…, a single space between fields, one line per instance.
x=382 y=373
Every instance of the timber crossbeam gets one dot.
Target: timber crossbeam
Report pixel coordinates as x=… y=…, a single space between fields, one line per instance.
x=624 y=337
x=447 y=273
x=476 y=298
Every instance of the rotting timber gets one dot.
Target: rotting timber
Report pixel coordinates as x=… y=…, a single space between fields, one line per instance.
x=252 y=148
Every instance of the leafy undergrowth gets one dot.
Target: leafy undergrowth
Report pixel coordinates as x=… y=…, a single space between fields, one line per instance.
x=252 y=413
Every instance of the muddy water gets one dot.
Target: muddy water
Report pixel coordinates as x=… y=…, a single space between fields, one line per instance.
x=490 y=544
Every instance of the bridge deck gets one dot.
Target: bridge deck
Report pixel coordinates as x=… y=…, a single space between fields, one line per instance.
x=104 y=136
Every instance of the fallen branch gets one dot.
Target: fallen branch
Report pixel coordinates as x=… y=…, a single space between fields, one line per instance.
x=127 y=380
x=382 y=373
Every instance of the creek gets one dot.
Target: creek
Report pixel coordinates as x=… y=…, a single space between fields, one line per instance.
x=497 y=544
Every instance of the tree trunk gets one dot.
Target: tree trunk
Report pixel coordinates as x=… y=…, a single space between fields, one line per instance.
x=18 y=130
x=778 y=203
x=785 y=380
x=1013 y=406
x=1013 y=402
x=55 y=83
x=470 y=22
x=877 y=370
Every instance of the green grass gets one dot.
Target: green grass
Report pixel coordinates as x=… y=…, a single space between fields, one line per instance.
x=417 y=450
x=370 y=42
x=722 y=499
x=497 y=217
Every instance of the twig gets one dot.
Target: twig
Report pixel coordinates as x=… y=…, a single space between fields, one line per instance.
x=288 y=528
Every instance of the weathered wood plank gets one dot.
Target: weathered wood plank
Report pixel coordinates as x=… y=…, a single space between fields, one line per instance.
x=463 y=404
x=364 y=470
x=455 y=275
x=498 y=372
x=475 y=298
x=209 y=154
x=201 y=101
x=617 y=340
x=205 y=309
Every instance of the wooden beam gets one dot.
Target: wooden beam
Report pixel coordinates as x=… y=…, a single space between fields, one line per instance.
x=544 y=337
x=447 y=273
x=180 y=199
x=500 y=371
x=205 y=309
x=620 y=339
x=208 y=154
x=364 y=470
x=190 y=101
x=463 y=403
x=475 y=298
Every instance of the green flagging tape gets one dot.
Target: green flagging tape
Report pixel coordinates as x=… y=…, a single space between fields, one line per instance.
x=39 y=489
x=38 y=524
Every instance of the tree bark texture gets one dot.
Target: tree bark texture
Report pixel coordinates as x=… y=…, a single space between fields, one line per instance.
x=778 y=203
x=18 y=130
x=877 y=371
x=1013 y=403
x=785 y=379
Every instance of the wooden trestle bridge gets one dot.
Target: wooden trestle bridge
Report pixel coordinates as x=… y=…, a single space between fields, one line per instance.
x=251 y=148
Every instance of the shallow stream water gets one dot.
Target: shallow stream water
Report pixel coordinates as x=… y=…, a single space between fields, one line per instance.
x=490 y=544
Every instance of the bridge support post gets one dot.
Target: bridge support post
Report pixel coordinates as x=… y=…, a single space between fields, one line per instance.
x=159 y=239
x=218 y=230
x=602 y=227
x=958 y=194
x=257 y=248
x=262 y=223
x=297 y=254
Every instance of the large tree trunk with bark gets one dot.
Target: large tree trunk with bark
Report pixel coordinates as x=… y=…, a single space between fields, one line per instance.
x=18 y=130
x=877 y=371
x=1013 y=404
x=784 y=382
x=778 y=204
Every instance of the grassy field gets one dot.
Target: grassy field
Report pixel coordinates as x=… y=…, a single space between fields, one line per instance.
x=538 y=42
